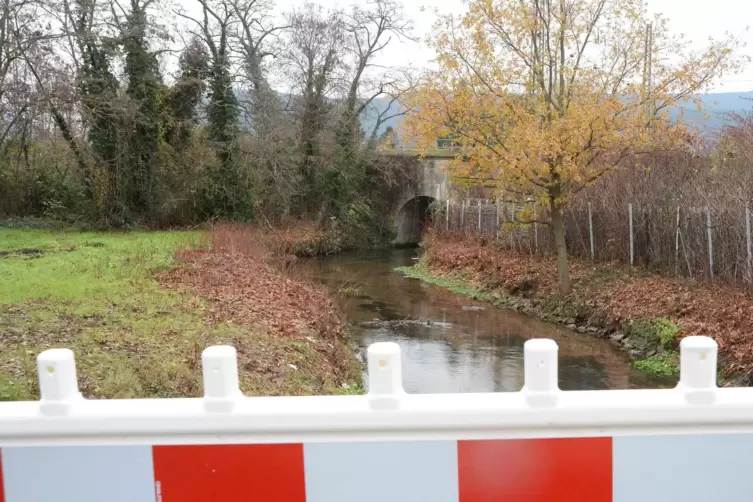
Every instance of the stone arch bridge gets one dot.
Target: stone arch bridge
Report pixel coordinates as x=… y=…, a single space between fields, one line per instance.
x=411 y=213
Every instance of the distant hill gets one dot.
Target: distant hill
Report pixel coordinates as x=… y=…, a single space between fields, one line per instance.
x=718 y=107
x=370 y=116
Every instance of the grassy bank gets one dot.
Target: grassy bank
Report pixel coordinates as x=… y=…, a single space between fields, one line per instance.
x=456 y=285
x=138 y=330
x=645 y=314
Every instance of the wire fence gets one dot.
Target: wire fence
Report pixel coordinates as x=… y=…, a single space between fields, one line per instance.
x=711 y=243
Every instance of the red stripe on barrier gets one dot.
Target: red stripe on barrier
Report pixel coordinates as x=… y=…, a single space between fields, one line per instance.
x=536 y=470
x=229 y=472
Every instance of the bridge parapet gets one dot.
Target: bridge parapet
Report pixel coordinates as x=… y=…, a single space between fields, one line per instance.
x=689 y=443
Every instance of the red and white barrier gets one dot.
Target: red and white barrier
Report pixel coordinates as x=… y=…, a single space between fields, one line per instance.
x=692 y=443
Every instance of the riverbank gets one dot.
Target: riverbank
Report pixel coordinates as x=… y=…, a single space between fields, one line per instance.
x=138 y=308
x=642 y=313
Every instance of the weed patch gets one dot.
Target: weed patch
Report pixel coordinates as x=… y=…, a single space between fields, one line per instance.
x=664 y=364
x=652 y=333
x=457 y=286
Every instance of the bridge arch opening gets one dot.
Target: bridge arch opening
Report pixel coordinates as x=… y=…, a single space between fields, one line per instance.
x=413 y=219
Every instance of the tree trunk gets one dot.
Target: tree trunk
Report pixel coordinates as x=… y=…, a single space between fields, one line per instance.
x=558 y=227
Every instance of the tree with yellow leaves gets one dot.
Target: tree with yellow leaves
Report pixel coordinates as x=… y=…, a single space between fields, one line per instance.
x=544 y=97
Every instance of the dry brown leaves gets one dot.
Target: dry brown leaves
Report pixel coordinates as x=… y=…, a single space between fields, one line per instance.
x=298 y=238
x=721 y=312
x=247 y=291
x=247 y=285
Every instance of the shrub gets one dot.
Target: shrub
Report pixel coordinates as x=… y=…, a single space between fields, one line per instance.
x=652 y=333
x=665 y=364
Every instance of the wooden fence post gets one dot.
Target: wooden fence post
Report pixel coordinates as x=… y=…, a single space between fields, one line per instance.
x=591 y=231
x=711 y=244
x=447 y=217
x=496 y=226
x=685 y=253
x=535 y=229
x=677 y=243
x=479 y=217
x=630 y=213
x=512 y=226
x=749 y=242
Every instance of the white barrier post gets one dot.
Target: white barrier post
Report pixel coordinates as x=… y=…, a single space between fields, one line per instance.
x=220 y=368
x=385 y=375
x=698 y=369
x=540 y=368
x=58 y=386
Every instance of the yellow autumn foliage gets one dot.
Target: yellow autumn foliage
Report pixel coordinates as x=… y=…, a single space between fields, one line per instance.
x=543 y=97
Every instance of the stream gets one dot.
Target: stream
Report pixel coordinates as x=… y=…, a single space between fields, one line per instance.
x=453 y=344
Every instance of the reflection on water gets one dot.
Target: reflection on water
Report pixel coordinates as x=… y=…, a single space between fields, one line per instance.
x=461 y=345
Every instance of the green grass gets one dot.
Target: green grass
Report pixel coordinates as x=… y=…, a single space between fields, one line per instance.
x=664 y=364
x=69 y=266
x=457 y=286
x=96 y=293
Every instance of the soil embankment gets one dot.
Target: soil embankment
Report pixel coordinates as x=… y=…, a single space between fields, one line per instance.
x=295 y=341
x=644 y=313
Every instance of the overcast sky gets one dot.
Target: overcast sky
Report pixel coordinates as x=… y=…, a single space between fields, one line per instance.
x=698 y=19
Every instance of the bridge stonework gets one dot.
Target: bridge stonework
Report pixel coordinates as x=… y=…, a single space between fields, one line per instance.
x=411 y=211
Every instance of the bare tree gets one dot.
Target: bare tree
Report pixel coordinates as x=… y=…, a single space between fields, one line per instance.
x=313 y=60
x=20 y=30
x=368 y=32
x=214 y=29
x=393 y=91
x=252 y=37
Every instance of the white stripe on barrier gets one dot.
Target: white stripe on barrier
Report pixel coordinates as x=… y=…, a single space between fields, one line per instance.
x=686 y=468
x=378 y=472
x=63 y=417
x=78 y=474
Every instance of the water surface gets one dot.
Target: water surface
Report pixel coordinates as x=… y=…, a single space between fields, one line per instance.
x=453 y=344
